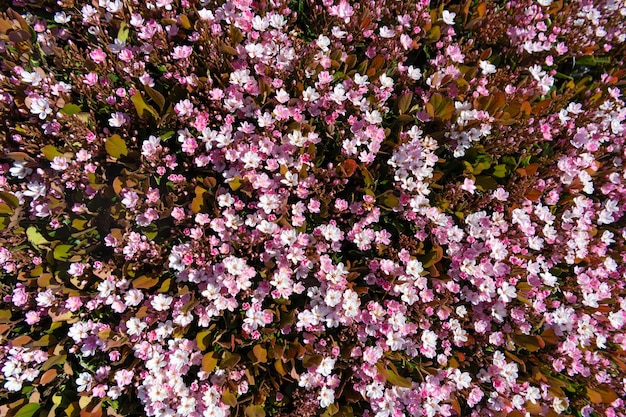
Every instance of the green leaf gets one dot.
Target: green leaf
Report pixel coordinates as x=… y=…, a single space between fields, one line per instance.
x=116 y=146
x=484 y=183
x=167 y=135
x=70 y=108
x=28 y=410
x=50 y=152
x=10 y=199
x=255 y=411
x=201 y=340
x=35 y=238
x=499 y=171
x=391 y=201
x=229 y=398
x=122 y=35
x=156 y=96
x=141 y=106
x=397 y=380
x=61 y=252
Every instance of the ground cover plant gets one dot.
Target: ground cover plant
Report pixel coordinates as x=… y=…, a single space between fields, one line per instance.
x=300 y=208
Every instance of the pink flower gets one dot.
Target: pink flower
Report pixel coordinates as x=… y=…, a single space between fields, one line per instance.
x=32 y=317
x=118 y=119
x=182 y=52
x=98 y=56
x=468 y=185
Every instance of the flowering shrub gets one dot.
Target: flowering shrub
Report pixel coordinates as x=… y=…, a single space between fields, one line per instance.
x=301 y=208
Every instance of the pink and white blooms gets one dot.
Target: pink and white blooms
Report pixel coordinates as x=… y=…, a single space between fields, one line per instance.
x=306 y=208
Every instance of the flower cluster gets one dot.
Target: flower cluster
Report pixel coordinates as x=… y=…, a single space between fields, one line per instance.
x=297 y=208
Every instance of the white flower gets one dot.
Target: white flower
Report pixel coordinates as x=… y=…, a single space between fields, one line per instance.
x=32 y=78
x=385 y=32
x=135 y=326
x=509 y=372
x=544 y=3
x=206 y=14
x=13 y=384
x=537 y=72
x=41 y=107
x=323 y=42
x=35 y=190
x=20 y=170
x=487 y=67
x=326 y=397
x=117 y=46
x=83 y=381
x=448 y=17
x=507 y=292
x=61 y=18
x=414 y=73
x=325 y=368
x=162 y=302
x=114 y=6
x=133 y=297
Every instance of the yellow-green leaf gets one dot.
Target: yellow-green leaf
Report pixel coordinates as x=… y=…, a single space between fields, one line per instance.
x=141 y=106
x=122 y=34
x=9 y=199
x=442 y=106
x=5 y=316
x=255 y=411
x=50 y=152
x=229 y=360
x=72 y=409
x=198 y=200
x=165 y=286
x=62 y=252
x=201 y=339
x=391 y=201
x=209 y=362
x=528 y=342
x=499 y=171
x=46 y=340
x=35 y=238
x=28 y=410
x=397 y=380
x=156 y=96
x=229 y=398
x=54 y=360
x=116 y=146
x=235 y=183
x=70 y=108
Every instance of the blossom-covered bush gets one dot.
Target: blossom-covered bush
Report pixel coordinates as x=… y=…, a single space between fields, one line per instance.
x=298 y=208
